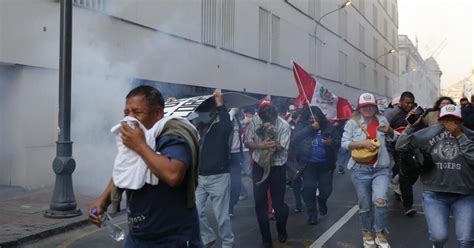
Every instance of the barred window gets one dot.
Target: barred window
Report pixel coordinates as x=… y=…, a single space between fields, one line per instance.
x=361 y=37
x=342 y=67
x=209 y=22
x=375 y=16
x=91 y=4
x=275 y=39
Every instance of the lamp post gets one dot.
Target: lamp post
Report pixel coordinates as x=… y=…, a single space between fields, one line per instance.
x=347 y=3
x=387 y=53
x=63 y=204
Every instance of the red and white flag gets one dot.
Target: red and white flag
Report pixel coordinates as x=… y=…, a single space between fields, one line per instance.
x=313 y=93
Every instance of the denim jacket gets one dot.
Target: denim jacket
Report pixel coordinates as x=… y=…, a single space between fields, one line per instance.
x=352 y=132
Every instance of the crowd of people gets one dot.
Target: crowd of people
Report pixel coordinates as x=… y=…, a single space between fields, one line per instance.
x=278 y=147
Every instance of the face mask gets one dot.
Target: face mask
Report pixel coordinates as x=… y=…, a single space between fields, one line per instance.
x=204 y=117
x=247 y=119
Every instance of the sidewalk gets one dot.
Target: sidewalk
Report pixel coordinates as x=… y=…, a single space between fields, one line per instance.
x=22 y=220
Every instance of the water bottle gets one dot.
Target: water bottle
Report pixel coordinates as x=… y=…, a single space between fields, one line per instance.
x=114 y=230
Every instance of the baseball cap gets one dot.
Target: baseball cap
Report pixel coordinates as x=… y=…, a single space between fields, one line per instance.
x=366 y=99
x=450 y=110
x=264 y=102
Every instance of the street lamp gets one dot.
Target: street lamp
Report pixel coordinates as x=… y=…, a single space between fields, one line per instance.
x=387 y=53
x=63 y=204
x=347 y=3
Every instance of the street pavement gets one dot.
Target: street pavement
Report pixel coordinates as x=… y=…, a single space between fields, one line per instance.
x=22 y=215
x=339 y=228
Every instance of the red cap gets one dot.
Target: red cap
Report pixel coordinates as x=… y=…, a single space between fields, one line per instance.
x=264 y=102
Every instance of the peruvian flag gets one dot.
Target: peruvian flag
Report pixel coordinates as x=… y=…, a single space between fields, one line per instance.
x=306 y=85
x=314 y=93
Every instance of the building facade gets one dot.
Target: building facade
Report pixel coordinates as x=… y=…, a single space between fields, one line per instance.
x=420 y=76
x=240 y=45
x=463 y=88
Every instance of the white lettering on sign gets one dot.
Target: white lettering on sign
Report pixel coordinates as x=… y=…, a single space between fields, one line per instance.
x=184 y=107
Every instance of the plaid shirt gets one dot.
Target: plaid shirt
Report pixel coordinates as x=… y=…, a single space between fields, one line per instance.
x=283 y=137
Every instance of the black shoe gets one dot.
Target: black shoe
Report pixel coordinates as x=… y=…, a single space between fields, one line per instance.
x=410 y=211
x=299 y=210
x=323 y=209
x=341 y=171
x=282 y=237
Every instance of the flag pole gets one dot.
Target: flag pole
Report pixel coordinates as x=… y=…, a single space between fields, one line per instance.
x=302 y=89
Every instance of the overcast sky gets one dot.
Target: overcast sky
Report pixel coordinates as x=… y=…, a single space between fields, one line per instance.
x=436 y=20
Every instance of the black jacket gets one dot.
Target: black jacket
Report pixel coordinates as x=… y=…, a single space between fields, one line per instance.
x=215 y=150
x=406 y=161
x=302 y=139
x=468 y=114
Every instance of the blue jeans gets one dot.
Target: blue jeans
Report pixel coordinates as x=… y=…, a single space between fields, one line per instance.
x=371 y=185
x=316 y=176
x=235 y=178
x=437 y=207
x=246 y=164
x=343 y=156
x=217 y=188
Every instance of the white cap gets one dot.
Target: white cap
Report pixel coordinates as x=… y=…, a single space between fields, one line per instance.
x=366 y=99
x=450 y=110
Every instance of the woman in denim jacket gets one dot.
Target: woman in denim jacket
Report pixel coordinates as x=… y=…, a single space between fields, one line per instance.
x=371 y=180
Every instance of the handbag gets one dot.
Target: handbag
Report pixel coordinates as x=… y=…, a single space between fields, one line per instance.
x=364 y=155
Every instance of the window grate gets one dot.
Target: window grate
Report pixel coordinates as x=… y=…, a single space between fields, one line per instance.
x=209 y=22
x=264 y=34
x=227 y=24
x=98 y=5
x=275 y=39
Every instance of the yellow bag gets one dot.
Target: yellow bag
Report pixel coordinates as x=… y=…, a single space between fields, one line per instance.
x=365 y=155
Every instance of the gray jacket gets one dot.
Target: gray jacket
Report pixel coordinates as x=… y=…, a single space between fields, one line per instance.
x=447 y=161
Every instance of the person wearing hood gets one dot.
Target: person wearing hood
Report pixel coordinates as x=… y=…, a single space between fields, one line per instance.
x=215 y=129
x=276 y=179
x=316 y=142
x=446 y=153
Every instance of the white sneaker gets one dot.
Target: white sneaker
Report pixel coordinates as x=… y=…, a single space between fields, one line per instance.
x=381 y=240
x=368 y=239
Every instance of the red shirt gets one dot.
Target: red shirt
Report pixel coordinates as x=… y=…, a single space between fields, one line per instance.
x=372 y=129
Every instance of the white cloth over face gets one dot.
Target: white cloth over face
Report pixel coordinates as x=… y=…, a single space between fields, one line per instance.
x=130 y=171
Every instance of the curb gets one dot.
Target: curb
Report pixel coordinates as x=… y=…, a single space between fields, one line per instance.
x=42 y=234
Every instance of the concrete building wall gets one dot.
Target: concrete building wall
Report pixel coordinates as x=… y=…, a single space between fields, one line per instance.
x=29 y=111
x=162 y=41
